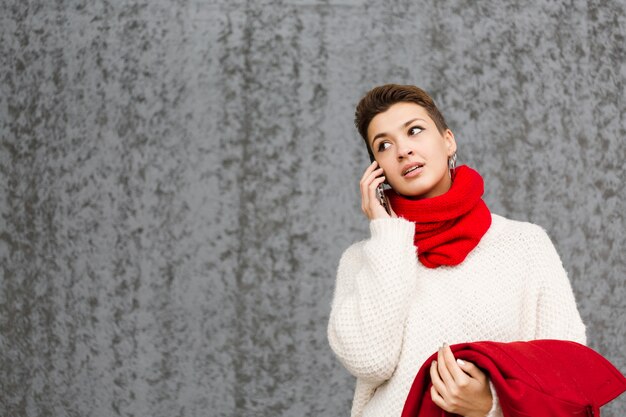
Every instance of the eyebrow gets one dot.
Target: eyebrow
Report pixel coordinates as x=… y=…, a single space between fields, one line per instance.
x=383 y=134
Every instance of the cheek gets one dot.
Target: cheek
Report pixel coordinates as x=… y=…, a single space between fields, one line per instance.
x=385 y=161
x=440 y=151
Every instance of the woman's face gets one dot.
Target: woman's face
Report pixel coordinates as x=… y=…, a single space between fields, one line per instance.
x=411 y=151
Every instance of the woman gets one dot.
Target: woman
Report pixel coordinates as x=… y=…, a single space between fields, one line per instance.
x=438 y=269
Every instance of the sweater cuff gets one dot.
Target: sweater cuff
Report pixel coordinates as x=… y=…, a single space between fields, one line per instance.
x=394 y=229
x=495 y=405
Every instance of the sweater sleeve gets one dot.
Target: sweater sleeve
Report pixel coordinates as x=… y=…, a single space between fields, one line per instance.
x=375 y=280
x=557 y=314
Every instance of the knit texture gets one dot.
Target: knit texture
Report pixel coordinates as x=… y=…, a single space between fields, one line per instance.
x=449 y=226
x=390 y=312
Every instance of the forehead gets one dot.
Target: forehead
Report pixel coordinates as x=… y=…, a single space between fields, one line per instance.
x=395 y=117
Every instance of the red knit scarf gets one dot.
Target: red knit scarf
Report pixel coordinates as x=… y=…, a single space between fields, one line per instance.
x=449 y=226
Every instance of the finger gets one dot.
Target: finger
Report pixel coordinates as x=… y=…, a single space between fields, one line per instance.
x=369 y=176
x=442 y=367
x=438 y=384
x=371 y=167
x=472 y=370
x=453 y=367
x=376 y=208
x=369 y=200
x=438 y=399
x=375 y=182
x=364 y=199
x=366 y=180
x=372 y=190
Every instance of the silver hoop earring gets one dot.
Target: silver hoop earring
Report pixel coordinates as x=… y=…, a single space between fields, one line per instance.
x=452 y=166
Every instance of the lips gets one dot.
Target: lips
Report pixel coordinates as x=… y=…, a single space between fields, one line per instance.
x=410 y=170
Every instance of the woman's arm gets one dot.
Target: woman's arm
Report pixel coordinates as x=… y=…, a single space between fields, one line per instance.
x=375 y=281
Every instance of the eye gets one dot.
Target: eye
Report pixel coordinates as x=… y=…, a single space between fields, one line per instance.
x=383 y=145
x=414 y=130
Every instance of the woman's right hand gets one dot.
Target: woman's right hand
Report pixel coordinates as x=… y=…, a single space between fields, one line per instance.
x=369 y=203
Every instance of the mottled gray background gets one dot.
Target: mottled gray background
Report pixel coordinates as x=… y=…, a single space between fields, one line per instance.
x=179 y=180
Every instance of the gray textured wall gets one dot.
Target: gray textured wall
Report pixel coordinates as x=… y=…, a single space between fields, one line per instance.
x=179 y=179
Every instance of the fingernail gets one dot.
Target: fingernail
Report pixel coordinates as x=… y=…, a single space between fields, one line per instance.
x=444 y=345
x=460 y=362
x=434 y=363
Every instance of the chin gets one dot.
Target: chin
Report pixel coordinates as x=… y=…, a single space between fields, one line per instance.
x=413 y=194
x=423 y=188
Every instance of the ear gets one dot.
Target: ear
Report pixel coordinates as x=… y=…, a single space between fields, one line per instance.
x=450 y=142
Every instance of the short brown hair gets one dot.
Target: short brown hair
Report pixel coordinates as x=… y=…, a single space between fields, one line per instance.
x=379 y=99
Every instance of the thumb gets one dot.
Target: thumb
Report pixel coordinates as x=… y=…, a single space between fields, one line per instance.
x=471 y=369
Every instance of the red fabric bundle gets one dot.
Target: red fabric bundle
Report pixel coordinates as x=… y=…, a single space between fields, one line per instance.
x=449 y=226
x=539 y=378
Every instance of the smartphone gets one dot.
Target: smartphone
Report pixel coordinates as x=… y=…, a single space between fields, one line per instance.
x=380 y=193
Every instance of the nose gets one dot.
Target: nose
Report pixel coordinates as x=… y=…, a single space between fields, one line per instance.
x=404 y=150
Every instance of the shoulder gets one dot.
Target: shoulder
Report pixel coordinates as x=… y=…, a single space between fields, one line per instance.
x=515 y=239
x=523 y=246
x=503 y=229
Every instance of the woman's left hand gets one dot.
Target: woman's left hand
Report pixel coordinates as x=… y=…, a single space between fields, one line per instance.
x=459 y=387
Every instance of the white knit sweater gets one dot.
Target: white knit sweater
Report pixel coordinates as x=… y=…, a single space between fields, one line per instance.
x=390 y=313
